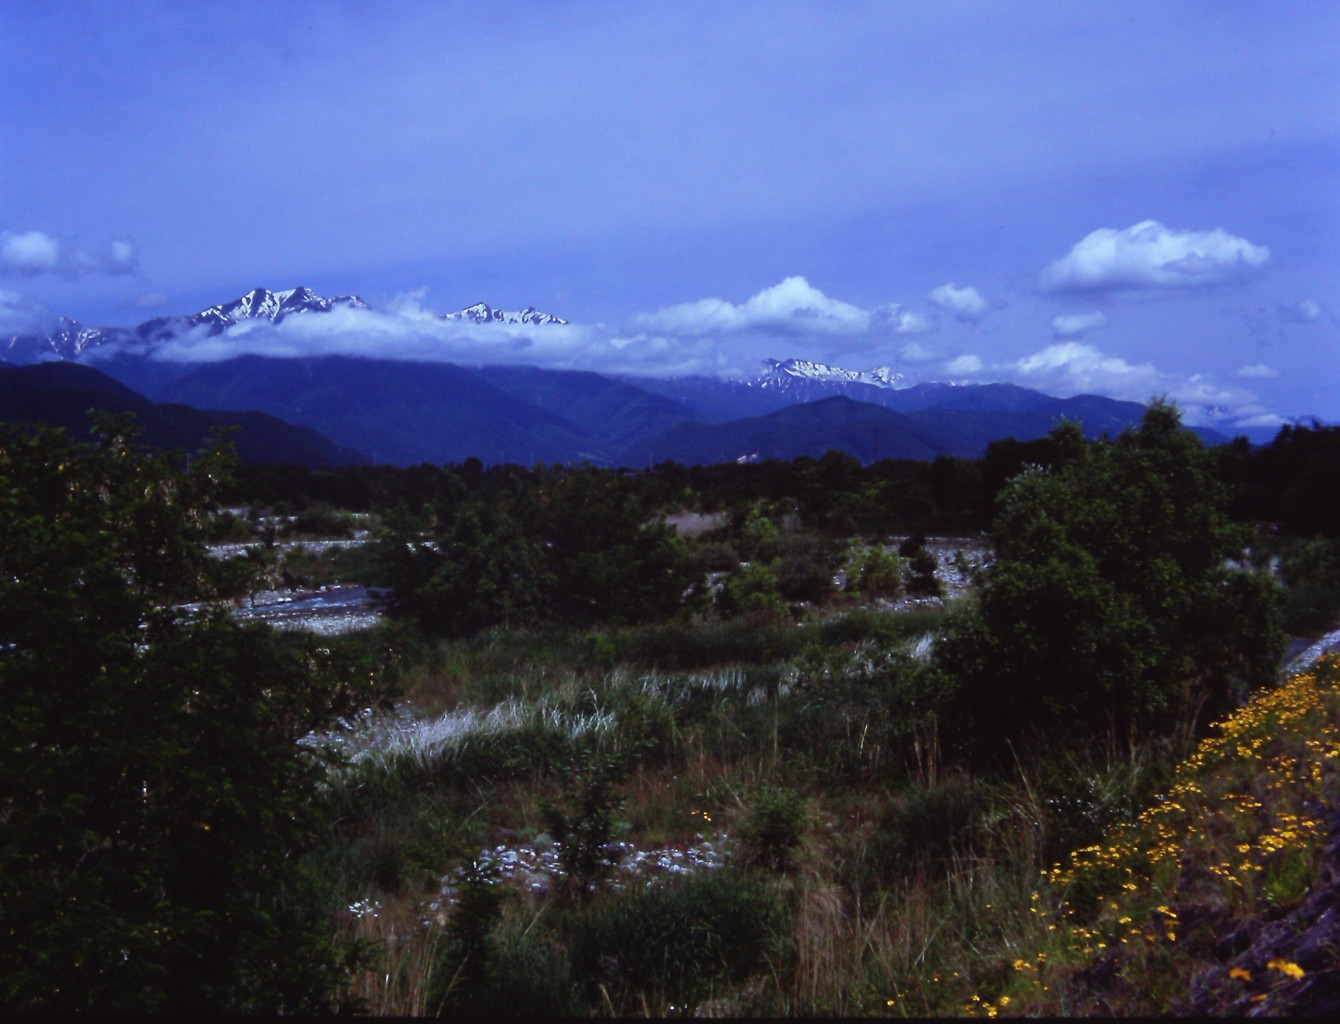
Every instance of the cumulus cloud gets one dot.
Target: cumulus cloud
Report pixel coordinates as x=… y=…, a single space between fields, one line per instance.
x=965 y=303
x=1258 y=371
x=1148 y=255
x=34 y=253
x=794 y=307
x=30 y=253
x=1073 y=368
x=1076 y=325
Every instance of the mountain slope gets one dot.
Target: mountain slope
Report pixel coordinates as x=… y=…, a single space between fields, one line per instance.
x=613 y=413
x=61 y=394
x=868 y=432
x=398 y=412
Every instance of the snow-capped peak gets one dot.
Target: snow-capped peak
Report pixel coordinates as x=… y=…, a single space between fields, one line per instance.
x=483 y=313
x=274 y=306
x=780 y=373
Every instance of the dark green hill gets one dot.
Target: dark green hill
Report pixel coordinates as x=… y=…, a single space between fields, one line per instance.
x=868 y=432
x=60 y=394
x=398 y=412
x=615 y=414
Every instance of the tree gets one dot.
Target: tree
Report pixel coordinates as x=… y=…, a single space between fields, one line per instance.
x=153 y=796
x=1112 y=607
x=481 y=570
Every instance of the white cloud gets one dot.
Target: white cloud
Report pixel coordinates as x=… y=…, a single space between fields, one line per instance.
x=965 y=303
x=1150 y=256
x=1076 y=325
x=968 y=365
x=1073 y=368
x=30 y=253
x=916 y=352
x=407 y=329
x=151 y=300
x=898 y=319
x=792 y=307
x=1259 y=371
x=121 y=258
x=33 y=253
x=1305 y=312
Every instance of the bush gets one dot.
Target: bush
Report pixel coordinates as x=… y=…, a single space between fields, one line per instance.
x=673 y=941
x=773 y=827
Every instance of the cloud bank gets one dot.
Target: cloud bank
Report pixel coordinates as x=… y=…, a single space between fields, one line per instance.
x=1070 y=368
x=1150 y=256
x=410 y=331
x=36 y=253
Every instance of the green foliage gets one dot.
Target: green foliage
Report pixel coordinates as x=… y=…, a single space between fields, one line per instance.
x=480 y=570
x=875 y=572
x=758 y=536
x=805 y=566
x=752 y=592
x=1311 y=572
x=671 y=942
x=773 y=827
x=921 y=565
x=582 y=823
x=1110 y=608
x=320 y=520
x=928 y=825
x=152 y=791
x=575 y=547
x=465 y=975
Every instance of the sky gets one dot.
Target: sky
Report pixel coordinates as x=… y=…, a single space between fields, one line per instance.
x=1121 y=198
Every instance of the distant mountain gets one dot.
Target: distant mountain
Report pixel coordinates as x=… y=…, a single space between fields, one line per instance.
x=60 y=394
x=405 y=412
x=868 y=431
x=72 y=340
x=482 y=313
x=786 y=383
x=785 y=373
x=398 y=412
x=613 y=414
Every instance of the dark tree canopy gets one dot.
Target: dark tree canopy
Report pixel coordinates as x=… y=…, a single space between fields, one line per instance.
x=1113 y=606
x=152 y=793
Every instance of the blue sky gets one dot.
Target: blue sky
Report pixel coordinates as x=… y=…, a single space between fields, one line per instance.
x=1120 y=198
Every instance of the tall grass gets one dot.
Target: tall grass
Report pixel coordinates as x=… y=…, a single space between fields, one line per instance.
x=906 y=887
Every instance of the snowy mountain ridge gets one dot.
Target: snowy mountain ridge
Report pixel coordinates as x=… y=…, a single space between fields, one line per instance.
x=782 y=373
x=261 y=303
x=483 y=313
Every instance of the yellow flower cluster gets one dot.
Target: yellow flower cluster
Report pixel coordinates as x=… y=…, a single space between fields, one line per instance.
x=1259 y=779
x=1243 y=812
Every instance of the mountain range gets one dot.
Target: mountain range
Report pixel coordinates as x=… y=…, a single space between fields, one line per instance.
x=405 y=412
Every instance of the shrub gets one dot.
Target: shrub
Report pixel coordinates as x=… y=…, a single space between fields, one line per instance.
x=773 y=827
x=674 y=941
